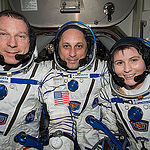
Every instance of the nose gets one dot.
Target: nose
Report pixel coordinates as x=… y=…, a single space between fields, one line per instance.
x=72 y=52
x=127 y=67
x=12 y=42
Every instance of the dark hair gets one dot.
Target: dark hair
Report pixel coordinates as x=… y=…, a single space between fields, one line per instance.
x=126 y=42
x=88 y=39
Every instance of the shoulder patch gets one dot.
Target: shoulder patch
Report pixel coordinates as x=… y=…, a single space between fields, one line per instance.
x=3 y=118
x=74 y=105
x=30 y=116
x=141 y=126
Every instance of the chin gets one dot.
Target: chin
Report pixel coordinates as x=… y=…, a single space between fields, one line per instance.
x=72 y=66
x=12 y=62
x=131 y=83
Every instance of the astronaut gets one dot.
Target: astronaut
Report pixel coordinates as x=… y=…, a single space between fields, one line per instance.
x=125 y=102
x=20 y=108
x=70 y=89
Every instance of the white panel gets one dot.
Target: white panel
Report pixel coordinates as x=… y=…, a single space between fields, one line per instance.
x=146 y=5
x=54 y=13
x=126 y=25
x=0 y=5
x=146 y=29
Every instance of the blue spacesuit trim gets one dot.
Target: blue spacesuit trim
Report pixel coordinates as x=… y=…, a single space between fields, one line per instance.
x=20 y=102
x=54 y=89
x=133 y=101
x=18 y=80
x=1 y=132
x=95 y=102
x=141 y=101
x=96 y=124
x=103 y=79
x=71 y=119
x=29 y=141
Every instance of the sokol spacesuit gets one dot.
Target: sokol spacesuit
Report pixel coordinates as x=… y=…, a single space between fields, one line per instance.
x=130 y=107
x=71 y=95
x=20 y=109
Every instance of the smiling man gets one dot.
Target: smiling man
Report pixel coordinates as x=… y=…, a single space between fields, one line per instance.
x=20 y=108
x=14 y=38
x=72 y=47
x=70 y=89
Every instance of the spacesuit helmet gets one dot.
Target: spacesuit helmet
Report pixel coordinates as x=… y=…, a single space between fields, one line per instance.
x=90 y=50
x=143 y=48
x=32 y=37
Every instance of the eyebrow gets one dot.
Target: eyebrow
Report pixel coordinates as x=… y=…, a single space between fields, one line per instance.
x=17 y=33
x=69 y=43
x=129 y=58
x=23 y=33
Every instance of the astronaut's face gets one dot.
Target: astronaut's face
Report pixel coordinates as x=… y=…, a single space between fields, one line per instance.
x=72 y=47
x=14 y=38
x=128 y=63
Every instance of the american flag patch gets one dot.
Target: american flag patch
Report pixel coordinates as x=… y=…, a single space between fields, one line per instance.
x=61 y=97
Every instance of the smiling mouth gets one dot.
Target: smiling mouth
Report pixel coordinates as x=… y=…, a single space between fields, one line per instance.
x=129 y=76
x=11 y=53
x=72 y=61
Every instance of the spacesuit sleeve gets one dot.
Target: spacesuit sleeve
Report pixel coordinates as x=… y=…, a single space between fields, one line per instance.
x=107 y=115
x=109 y=119
x=62 y=126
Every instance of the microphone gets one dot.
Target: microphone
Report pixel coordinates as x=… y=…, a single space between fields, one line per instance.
x=19 y=56
x=62 y=63
x=23 y=57
x=82 y=62
x=141 y=77
x=118 y=80
x=1 y=58
x=2 y=61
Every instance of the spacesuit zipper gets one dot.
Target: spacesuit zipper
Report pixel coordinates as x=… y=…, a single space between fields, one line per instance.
x=20 y=102
x=143 y=147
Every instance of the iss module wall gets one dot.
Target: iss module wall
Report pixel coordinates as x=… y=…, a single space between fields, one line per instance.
x=100 y=15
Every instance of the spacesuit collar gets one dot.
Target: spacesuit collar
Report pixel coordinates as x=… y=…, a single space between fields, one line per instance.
x=55 y=66
x=15 y=70
x=118 y=91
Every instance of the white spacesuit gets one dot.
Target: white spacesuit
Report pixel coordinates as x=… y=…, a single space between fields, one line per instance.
x=70 y=96
x=19 y=114
x=20 y=108
x=128 y=107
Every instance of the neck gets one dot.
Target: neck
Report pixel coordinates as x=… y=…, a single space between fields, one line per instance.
x=134 y=87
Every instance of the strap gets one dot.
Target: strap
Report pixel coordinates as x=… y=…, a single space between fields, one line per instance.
x=59 y=133
x=21 y=102
x=53 y=64
x=90 y=89
x=124 y=122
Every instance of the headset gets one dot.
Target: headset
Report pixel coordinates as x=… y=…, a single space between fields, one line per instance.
x=143 y=48
x=32 y=37
x=91 y=46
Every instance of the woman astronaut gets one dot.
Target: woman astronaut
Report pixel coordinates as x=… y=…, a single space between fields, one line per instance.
x=70 y=89
x=126 y=100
